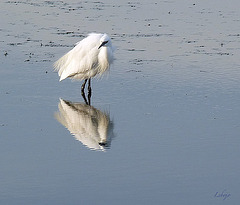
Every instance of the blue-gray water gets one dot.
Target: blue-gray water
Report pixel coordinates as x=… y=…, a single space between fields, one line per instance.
x=170 y=104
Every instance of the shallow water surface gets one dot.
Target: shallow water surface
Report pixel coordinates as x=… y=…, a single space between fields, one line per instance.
x=163 y=126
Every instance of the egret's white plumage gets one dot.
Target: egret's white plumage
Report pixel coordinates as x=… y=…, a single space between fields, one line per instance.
x=91 y=56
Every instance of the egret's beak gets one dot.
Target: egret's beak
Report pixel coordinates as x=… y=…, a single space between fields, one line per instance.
x=103 y=43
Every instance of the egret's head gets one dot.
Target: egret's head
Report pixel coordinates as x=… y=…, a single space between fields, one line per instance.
x=105 y=41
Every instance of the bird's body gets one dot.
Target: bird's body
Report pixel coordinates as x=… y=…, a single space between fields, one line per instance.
x=91 y=56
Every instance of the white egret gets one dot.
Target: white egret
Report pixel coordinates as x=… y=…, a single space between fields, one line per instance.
x=91 y=56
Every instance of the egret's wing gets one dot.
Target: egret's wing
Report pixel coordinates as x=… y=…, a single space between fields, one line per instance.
x=82 y=58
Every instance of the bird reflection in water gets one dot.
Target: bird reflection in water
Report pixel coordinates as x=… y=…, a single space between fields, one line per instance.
x=87 y=124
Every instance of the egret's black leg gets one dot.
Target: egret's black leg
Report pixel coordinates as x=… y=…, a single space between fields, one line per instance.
x=83 y=93
x=89 y=91
x=83 y=86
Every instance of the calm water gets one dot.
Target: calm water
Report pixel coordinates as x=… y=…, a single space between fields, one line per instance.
x=166 y=115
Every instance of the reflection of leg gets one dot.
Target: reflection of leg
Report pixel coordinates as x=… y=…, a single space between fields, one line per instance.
x=84 y=97
x=89 y=91
x=83 y=93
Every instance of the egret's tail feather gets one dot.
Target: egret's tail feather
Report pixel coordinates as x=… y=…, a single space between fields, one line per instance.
x=61 y=65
